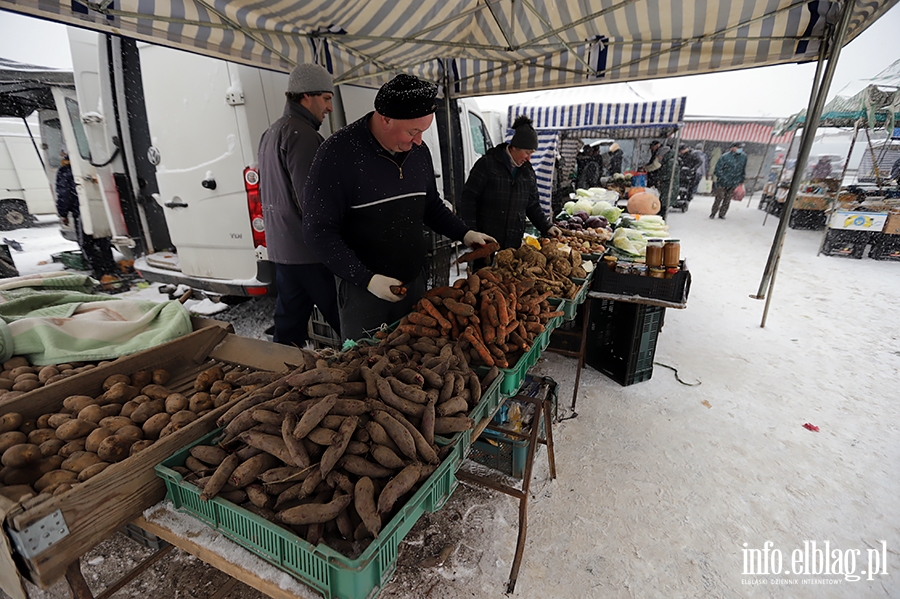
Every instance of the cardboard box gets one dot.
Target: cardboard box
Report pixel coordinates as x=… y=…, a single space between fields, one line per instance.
x=47 y=538
x=811 y=202
x=892 y=224
x=848 y=220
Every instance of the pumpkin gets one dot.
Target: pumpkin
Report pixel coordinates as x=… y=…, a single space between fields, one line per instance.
x=634 y=190
x=643 y=203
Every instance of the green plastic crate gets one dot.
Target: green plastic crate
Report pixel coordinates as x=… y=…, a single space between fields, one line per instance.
x=324 y=569
x=73 y=259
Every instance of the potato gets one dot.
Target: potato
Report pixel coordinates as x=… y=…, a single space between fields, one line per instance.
x=55 y=477
x=57 y=420
x=154 y=425
x=92 y=413
x=80 y=460
x=46 y=373
x=156 y=391
x=12 y=394
x=208 y=454
x=21 y=455
x=58 y=377
x=11 y=438
x=17 y=493
x=129 y=407
x=96 y=437
x=75 y=429
x=148 y=409
x=20 y=476
x=39 y=435
x=15 y=362
x=223 y=398
x=51 y=447
x=92 y=470
x=200 y=401
x=64 y=366
x=26 y=376
x=15 y=372
x=174 y=403
x=5 y=383
x=26 y=386
x=183 y=418
x=59 y=488
x=142 y=399
x=160 y=376
x=76 y=403
x=139 y=446
x=114 y=423
x=111 y=409
x=42 y=421
x=72 y=447
x=116 y=378
x=209 y=376
x=115 y=448
x=131 y=431
x=168 y=429
x=120 y=393
x=10 y=421
x=218 y=387
x=141 y=378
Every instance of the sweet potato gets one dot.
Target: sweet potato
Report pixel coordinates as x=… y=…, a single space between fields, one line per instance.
x=314 y=513
x=338 y=446
x=268 y=443
x=364 y=502
x=386 y=457
x=410 y=392
x=312 y=416
x=316 y=376
x=378 y=435
x=426 y=426
x=423 y=448
x=453 y=406
x=398 y=433
x=323 y=390
x=208 y=454
x=386 y=392
x=398 y=487
x=218 y=479
x=349 y=407
x=454 y=424
x=360 y=466
x=248 y=470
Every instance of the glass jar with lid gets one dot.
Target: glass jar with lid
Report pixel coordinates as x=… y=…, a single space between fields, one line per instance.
x=654 y=253
x=672 y=253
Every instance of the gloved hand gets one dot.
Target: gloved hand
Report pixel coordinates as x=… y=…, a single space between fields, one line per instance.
x=64 y=220
x=380 y=287
x=474 y=238
x=554 y=231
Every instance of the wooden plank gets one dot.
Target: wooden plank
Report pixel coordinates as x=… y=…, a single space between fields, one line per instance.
x=250 y=568
x=636 y=299
x=257 y=353
x=10 y=581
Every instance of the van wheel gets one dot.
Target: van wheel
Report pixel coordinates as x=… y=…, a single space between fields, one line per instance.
x=14 y=215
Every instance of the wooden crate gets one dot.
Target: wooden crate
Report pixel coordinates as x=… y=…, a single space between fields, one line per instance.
x=75 y=522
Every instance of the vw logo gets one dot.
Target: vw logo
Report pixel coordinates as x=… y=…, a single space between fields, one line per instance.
x=153 y=156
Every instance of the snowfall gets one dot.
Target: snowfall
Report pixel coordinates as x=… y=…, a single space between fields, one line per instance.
x=705 y=483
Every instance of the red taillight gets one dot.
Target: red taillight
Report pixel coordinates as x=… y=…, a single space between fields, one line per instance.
x=257 y=226
x=257 y=291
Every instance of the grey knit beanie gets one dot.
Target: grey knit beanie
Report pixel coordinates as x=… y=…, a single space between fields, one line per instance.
x=310 y=79
x=525 y=137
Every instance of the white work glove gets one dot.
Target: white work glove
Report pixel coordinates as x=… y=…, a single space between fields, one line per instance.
x=474 y=239
x=554 y=231
x=380 y=287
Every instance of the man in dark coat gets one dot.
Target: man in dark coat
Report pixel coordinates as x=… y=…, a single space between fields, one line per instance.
x=616 y=156
x=690 y=164
x=502 y=190
x=286 y=152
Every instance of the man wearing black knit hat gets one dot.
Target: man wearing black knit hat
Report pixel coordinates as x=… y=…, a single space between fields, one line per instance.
x=370 y=189
x=502 y=190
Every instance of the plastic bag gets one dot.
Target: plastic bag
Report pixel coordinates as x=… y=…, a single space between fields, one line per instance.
x=738 y=193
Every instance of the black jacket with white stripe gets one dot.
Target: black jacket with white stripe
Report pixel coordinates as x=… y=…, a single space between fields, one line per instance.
x=363 y=208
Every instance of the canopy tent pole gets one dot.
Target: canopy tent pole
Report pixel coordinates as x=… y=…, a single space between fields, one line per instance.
x=838 y=192
x=34 y=143
x=814 y=112
x=787 y=156
x=875 y=168
x=762 y=163
x=447 y=107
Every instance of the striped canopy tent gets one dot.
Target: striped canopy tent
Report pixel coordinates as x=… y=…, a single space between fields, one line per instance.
x=875 y=107
x=608 y=119
x=477 y=47
x=724 y=131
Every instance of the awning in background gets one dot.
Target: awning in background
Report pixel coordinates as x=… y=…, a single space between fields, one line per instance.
x=25 y=88
x=711 y=130
x=875 y=107
x=478 y=46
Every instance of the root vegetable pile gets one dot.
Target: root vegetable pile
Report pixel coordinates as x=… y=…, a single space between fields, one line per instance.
x=19 y=376
x=550 y=268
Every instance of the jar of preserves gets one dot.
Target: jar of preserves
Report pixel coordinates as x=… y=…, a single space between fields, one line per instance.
x=671 y=272
x=639 y=269
x=610 y=262
x=657 y=272
x=654 y=252
x=623 y=267
x=672 y=253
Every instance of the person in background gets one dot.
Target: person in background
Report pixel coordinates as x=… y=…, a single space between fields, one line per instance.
x=590 y=169
x=97 y=252
x=616 y=156
x=662 y=174
x=730 y=172
x=286 y=151
x=703 y=171
x=822 y=168
x=502 y=190
x=370 y=190
x=895 y=171
x=689 y=164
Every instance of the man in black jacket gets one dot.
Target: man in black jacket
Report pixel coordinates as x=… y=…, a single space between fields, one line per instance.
x=286 y=152
x=502 y=190
x=370 y=189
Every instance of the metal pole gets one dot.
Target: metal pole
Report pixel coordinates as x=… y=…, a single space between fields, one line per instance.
x=834 y=197
x=450 y=121
x=34 y=143
x=762 y=163
x=875 y=168
x=787 y=156
x=814 y=113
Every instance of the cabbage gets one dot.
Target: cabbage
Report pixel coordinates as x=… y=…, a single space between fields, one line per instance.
x=606 y=210
x=569 y=207
x=631 y=241
x=583 y=205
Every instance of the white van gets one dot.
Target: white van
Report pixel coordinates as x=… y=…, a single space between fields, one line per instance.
x=24 y=186
x=204 y=121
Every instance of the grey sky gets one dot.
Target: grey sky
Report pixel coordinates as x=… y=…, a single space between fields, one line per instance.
x=768 y=91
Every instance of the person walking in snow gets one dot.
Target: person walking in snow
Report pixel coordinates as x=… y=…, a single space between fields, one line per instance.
x=730 y=172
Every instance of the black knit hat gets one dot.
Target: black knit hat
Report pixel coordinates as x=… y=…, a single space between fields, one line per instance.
x=406 y=97
x=525 y=137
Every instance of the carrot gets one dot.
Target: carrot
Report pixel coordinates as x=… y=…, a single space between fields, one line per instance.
x=423 y=319
x=485 y=274
x=398 y=290
x=478 y=346
x=460 y=308
x=469 y=297
x=474 y=283
x=502 y=308
x=534 y=327
x=459 y=283
x=489 y=333
x=419 y=330
x=431 y=310
x=454 y=328
x=444 y=292
x=482 y=252
x=492 y=317
x=549 y=315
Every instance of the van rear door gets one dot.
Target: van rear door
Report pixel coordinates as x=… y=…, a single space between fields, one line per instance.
x=201 y=148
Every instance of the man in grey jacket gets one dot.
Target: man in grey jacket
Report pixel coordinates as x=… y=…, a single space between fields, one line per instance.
x=286 y=152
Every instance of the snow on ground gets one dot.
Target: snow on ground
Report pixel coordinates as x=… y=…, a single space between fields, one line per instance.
x=663 y=489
